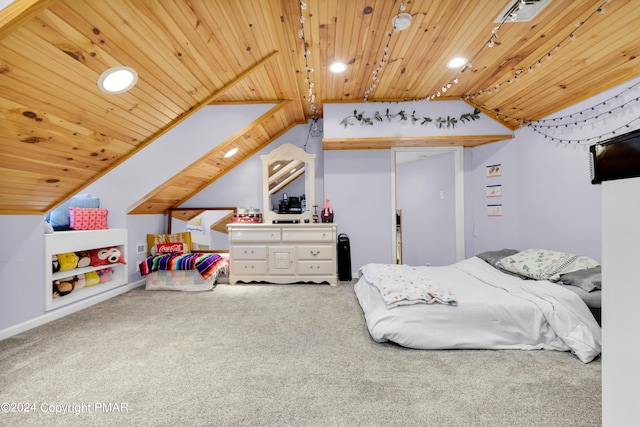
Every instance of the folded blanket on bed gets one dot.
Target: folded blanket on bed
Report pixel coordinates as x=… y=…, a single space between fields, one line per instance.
x=403 y=285
x=207 y=264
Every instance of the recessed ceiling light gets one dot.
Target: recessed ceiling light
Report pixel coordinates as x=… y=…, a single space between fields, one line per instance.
x=117 y=79
x=231 y=152
x=457 y=62
x=337 y=67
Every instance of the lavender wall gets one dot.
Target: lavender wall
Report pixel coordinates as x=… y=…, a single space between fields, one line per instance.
x=483 y=232
x=22 y=295
x=547 y=198
x=359 y=186
x=558 y=205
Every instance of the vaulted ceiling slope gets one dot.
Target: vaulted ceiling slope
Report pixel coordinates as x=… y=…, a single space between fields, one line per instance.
x=60 y=132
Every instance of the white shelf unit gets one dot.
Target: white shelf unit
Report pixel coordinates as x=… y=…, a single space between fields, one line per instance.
x=76 y=241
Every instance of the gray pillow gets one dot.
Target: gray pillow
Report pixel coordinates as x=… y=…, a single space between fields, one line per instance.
x=492 y=257
x=588 y=279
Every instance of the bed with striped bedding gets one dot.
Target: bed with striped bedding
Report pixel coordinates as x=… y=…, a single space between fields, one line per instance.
x=183 y=272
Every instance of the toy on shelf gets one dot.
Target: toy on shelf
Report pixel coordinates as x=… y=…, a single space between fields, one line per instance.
x=106 y=256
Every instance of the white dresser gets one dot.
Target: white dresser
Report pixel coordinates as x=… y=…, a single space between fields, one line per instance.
x=282 y=253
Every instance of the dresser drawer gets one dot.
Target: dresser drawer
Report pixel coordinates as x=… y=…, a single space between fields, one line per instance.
x=248 y=252
x=261 y=235
x=308 y=235
x=249 y=268
x=316 y=268
x=318 y=252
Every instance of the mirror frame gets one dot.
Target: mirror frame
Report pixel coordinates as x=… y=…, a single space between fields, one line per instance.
x=170 y=214
x=289 y=152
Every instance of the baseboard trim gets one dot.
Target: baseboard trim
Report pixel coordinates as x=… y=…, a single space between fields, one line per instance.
x=68 y=309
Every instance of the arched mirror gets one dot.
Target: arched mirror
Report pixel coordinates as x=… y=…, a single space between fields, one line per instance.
x=288 y=176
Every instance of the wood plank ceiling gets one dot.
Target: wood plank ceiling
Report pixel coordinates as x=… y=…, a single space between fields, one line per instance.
x=59 y=132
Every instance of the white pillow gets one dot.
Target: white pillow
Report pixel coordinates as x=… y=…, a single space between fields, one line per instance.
x=542 y=264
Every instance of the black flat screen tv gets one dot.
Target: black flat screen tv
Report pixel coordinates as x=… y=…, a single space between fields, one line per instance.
x=616 y=158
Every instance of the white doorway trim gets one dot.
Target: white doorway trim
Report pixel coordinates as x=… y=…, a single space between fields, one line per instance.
x=459 y=191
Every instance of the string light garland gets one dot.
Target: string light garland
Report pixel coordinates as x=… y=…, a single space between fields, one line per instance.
x=581 y=118
x=491 y=42
x=470 y=98
x=385 y=53
x=546 y=57
x=590 y=116
x=310 y=85
x=627 y=127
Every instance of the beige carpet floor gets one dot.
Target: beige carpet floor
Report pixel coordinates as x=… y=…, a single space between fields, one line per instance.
x=272 y=355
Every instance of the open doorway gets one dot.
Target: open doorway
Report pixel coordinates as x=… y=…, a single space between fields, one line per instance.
x=428 y=205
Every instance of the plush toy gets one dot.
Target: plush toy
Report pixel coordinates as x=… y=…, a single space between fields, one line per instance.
x=68 y=261
x=91 y=278
x=55 y=264
x=105 y=274
x=84 y=259
x=79 y=282
x=62 y=287
x=106 y=256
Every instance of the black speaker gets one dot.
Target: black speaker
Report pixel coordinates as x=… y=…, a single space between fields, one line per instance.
x=344 y=257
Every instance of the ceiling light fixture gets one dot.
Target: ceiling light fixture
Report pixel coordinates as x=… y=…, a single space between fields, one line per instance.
x=401 y=21
x=457 y=62
x=117 y=79
x=337 y=67
x=231 y=152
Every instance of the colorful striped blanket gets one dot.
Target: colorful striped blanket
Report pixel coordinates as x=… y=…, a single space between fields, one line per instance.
x=207 y=264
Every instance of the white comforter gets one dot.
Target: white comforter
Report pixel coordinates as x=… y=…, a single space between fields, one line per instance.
x=495 y=311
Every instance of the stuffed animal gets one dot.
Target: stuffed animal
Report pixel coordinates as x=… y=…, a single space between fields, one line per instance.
x=68 y=261
x=105 y=274
x=91 y=278
x=106 y=256
x=79 y=281
x=62 y=287
x=55 y=264
x=84 y=259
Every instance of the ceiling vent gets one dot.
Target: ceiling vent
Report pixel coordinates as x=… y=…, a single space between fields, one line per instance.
x=521 y=11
